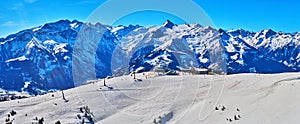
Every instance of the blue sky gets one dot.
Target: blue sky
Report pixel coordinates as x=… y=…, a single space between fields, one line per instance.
x=253 y=15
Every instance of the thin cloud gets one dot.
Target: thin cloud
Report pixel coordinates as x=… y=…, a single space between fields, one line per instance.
x=11 y=23
x=30 y=1
x=8 y=23
x=18 y=6
x=82 y=2
x=85 y=2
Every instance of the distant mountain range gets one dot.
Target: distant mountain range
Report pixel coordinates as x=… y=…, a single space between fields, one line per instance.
x=43 y=58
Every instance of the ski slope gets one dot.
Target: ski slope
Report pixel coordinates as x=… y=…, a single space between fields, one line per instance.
x=190 y=99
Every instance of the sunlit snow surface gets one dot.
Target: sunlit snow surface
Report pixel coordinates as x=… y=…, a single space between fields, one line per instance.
x=256 y=98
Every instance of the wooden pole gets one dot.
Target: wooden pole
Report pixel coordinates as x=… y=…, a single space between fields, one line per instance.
x=104 y=82
x=63 y=95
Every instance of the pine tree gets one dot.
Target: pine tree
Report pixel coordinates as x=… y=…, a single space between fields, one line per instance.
x=57 y=122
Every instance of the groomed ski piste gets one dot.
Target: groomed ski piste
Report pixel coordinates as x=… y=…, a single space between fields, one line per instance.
x=180 y=99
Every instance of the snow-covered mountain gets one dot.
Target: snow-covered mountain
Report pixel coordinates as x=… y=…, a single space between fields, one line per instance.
x=45 y=57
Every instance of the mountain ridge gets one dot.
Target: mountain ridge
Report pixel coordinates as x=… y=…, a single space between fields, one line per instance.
x=45 y=55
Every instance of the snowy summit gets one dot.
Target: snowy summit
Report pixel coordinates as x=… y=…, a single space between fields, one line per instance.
x=56 y=55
